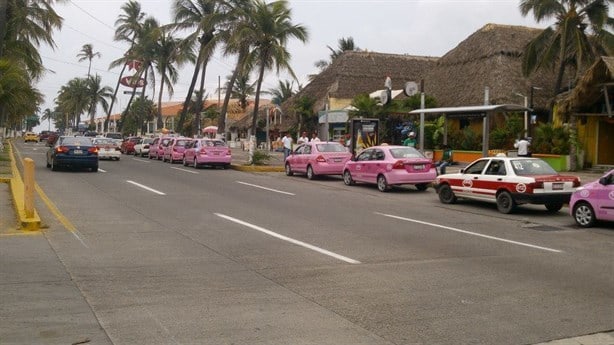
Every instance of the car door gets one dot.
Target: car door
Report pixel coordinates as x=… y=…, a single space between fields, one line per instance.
x=493 y=178
x=359 y=166
x=375 y=165
x=304 y=157
x=604 y=198
x=468 y=185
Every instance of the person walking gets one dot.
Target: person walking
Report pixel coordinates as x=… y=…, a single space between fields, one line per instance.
x=523 y=147
x=287 y=142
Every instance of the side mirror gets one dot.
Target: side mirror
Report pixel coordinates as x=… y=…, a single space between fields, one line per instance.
x=604 y=181
x=462 y=171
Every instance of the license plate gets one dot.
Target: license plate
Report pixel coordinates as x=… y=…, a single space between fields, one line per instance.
x=337 y=160
x=558 y=186
x=419 y=167
x=216 y=153
x=77 y=152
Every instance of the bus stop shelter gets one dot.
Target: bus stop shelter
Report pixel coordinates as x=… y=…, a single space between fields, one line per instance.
x=484 y=111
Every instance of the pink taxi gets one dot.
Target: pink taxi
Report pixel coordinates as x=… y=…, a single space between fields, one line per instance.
x=174 y=149
x=388 y=165
x=156 y=148
x=207 y=152
x=593 y=201
x=317 y=158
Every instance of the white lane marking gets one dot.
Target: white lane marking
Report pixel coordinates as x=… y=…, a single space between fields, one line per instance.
x=145 y=187
x=265 y=188
x=188 y=171
x=101 y=170
x=471 y=233
x=288 y=239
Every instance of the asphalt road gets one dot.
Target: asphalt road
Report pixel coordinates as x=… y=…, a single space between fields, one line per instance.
x=166 y=254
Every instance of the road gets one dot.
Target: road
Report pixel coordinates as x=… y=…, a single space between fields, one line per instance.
x=166 y=254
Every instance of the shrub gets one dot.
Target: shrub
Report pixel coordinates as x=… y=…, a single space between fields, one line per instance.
x=260 y=157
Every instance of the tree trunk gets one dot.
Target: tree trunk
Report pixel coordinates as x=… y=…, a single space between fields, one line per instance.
x=188 y=97
x=221 y=122
x=106 y=121
x=199 y=100
x=159 y=122
x=257 y=99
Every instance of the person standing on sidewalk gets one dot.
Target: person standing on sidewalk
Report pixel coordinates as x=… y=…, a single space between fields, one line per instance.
x=287 y=142
x=523 y=147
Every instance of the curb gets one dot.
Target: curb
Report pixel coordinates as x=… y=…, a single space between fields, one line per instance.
x=17 y=192
x=257 y=168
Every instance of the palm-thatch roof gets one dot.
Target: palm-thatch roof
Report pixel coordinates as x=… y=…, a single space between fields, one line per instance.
x=491 y=57
x=589 y=89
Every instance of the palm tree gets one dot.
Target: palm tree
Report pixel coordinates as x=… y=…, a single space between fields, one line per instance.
x=87 y=53
x=127 y=26
x=73 y=98
x=283 y=92
x=18 y=98
x=271 y=29
x=568 y=42
x=242 y=89
x=203 y=18
x=47 y=116
x=170 y=52
x=343 y=45
x=97 y=95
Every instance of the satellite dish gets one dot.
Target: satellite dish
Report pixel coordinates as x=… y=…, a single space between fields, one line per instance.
x=410 y=89
x=385 y=96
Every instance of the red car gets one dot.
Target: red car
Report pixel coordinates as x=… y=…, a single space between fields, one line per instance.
x=317 y=158
x=508 y=181
x=127 y=146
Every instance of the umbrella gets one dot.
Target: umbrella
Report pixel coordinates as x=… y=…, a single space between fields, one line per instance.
x=210 y=129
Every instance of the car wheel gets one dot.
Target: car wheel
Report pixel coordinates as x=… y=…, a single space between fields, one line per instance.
x=347 y=178
x=382 y=184
x=554 y=206
x=310 y=174
x=583 y=214
x=505 y=202
x=288 y=170
x=422 y=186
x=226 y=166
x=446 y=195
x=94 y=169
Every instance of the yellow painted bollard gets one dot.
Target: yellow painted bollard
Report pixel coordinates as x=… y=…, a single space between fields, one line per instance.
x=28 y=181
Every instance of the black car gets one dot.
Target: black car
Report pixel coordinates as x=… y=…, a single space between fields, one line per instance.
x=73 y=152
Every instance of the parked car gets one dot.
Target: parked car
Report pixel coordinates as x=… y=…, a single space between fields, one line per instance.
x=127 y=146
x=207 y=152
x=31 y=136
x=173 y=151
x=508 y=181
x=114 y=135
x=390 y=165
x=44 y=135
x=593 y=201
x=156 y=148
x=141 y=148
x=317 y=158
x=73 y=152
x=107 y=148
x=51 y=139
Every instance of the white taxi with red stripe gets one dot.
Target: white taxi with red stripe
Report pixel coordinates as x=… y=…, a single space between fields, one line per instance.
x=508 y=181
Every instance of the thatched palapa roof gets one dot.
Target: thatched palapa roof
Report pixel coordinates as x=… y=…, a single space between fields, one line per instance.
x=589 y=89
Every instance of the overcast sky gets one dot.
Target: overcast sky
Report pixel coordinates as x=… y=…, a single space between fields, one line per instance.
x=413 y=27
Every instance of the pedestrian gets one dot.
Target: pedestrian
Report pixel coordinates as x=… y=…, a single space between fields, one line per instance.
x=287 y=142
x=411 y=140
x=303 y=139
x=523 y=147
x=314 y=137
x=446 y=159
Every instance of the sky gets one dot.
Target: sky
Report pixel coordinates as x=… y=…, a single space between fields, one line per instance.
x=412 y=27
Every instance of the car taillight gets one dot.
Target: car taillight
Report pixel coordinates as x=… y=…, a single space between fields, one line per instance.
x=175 y=149
x=145 y=146
x=93 y=150
x=576 y=183
x=538 y=185
x=398 y=165
x=320 y=159
x=62 y=149
x=203 y=151
x=228 y=152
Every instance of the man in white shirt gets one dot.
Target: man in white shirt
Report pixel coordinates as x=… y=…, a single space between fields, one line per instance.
x=314 y=137
x=287 y=141
x=523 y=147
x=303 y=139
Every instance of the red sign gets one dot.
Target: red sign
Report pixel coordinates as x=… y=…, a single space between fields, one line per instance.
x=132 y=81
x=133 y=64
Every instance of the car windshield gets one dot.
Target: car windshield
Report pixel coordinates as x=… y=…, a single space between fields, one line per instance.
x=181 y=142
x=331 y=147
x=147 y=141
x=104 y=141
x=524 y=167
x=77 y=141
x=405 y=152
x=213 y=143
